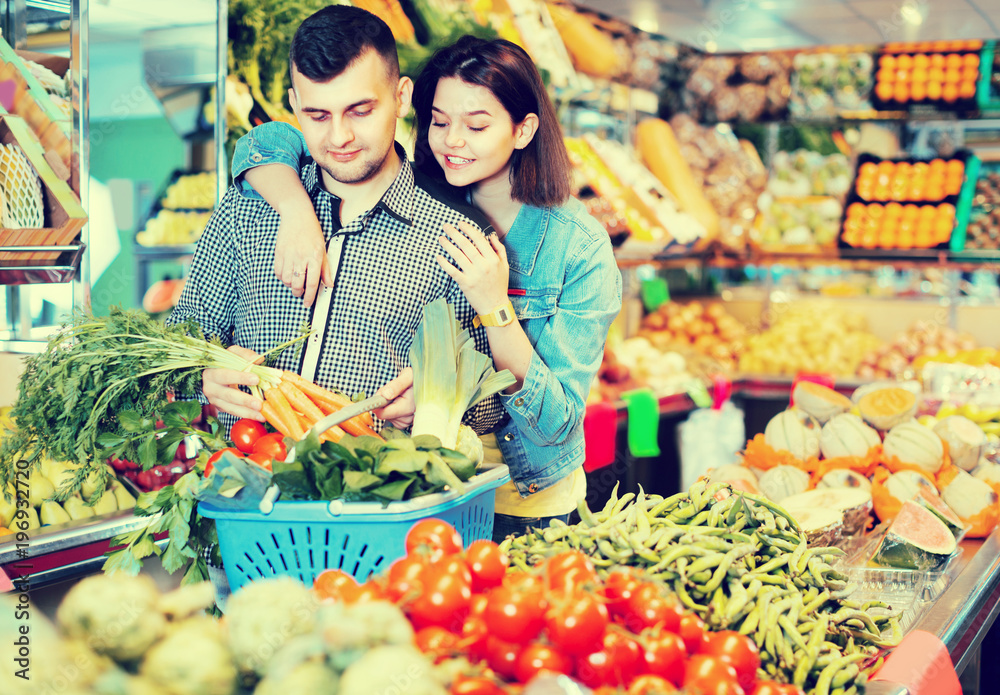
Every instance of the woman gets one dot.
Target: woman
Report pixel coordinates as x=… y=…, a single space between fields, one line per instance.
x=486 y=128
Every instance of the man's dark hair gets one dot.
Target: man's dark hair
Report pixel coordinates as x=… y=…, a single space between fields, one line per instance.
x=327 y=42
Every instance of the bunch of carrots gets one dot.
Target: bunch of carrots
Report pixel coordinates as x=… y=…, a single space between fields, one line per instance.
x=295 y=405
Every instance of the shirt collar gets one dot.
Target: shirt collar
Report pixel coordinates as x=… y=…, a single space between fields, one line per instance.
x=525 y=237
x=397 y=200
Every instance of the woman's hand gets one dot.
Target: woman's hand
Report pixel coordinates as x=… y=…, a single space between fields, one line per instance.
x=300 y=253
x=219 y=387
x=399 y=393
x=483 y=272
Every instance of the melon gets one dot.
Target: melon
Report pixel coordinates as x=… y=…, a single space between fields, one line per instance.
x=915 y=445
x=783 y=481
x=822 y=527
x=885 y=408
x=917 y=539
x=966 y=441
x=792 y=432
x=847 y=435
x=973 y=500
x=929 y=498
x=844 y=478
x=819 y=402
x=854 y=504
x=989 y=473
x=889 y=494
x=739 y=477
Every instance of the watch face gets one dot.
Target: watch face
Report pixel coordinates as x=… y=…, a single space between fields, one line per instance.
x=503 y=315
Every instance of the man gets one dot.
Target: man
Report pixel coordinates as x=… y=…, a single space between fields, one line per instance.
x=381 y=230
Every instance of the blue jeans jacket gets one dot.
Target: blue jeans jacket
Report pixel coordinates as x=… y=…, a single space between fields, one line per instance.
x=566 y=290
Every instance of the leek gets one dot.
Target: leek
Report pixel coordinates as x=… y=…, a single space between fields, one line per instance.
x=449 y=374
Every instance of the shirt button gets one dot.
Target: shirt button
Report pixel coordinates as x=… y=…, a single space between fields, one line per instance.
x=256 y=157
x=518 y=401
x=509 y=437
x=533 y=488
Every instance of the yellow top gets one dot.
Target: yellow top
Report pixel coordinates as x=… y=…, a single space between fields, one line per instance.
x=555 y=500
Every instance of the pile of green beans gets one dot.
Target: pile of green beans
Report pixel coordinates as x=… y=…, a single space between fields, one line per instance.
x=742 y=563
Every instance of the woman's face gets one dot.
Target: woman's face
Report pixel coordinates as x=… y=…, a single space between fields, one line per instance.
x=471 y=134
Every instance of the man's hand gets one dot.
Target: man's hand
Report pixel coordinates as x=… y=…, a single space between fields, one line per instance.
x=219 y=387
x=399 y=393
x=300 y=253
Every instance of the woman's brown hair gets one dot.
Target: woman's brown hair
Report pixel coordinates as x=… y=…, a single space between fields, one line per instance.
x=539 y=173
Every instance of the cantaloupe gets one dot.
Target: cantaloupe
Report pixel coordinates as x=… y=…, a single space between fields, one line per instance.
x=854 y=505
x=972 y=499
x=913 y=444
x=782 y=481
x=740 y=478
x=965 y=439
x=989 y=473
x=847 y=435
x=823 y=527
x=793 y=432
x=819 y=402
x=844 y=478
x=661 y=153
x=885 y=408
x=891 y=490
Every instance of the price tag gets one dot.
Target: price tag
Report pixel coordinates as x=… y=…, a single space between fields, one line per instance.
x=654 y=293
x=643 y=423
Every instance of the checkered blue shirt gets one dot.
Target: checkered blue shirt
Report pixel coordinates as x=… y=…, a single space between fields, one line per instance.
x=387 y=274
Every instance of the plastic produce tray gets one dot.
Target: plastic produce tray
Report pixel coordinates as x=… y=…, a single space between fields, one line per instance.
x=301 y=539
x=910 y=590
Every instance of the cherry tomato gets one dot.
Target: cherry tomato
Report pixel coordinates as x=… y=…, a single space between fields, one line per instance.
x=576 y=622
x=445 y=595
x=217 y=455
x=475 y=685
x=649 y=684
x=336 y=585
x=738 y=650
x=370 y=591
x=649 y=607
x=694 y=633
x=273 y=445
x=615 y=663
x=540 y=658
x=775 y=688
x=618 y=589
x=477 y=606
x=515 y=614
x=436 y=641
x=261 y=459
x=711 y=675
x=664 y=656
x=245 y=433
x=437 y=537
x=568 y=571
x=502 y=657
x=473 y=638
x=487 y=563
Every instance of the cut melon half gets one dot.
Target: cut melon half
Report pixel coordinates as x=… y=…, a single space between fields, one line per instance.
x=853 y=504
x=917 y=539
x=823 y=527
x=928 y=497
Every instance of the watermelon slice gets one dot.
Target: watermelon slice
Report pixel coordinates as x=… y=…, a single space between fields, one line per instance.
x=917 y=539
x=931 y=500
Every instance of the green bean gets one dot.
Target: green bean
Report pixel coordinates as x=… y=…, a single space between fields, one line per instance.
x=826 y=677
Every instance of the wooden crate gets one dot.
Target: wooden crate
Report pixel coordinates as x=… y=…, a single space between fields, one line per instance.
x=64 y=215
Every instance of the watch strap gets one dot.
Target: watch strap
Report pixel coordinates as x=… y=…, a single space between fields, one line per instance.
x=502 y=315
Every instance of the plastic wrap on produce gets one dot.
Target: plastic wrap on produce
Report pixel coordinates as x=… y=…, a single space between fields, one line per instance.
x=962 y=382
x=895 y=551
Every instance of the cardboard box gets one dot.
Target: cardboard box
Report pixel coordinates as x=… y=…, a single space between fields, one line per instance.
x=64 y=215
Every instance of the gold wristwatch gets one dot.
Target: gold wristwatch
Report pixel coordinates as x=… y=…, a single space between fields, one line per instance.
x=502 y=315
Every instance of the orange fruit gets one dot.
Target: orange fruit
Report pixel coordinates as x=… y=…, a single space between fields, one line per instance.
x=936 y=60
x=902 y=75
x=869 y=241
x=924 y=226
x=856 y=210
x=936 y=166
x=950 y=93
x=974 y=44
x=885 y=76
x=923 y=241
x=953 y=60
x=893 y=211
x=904 y=241
x=887 y=61
x=921 y=61
x=920 y=169
x=904 y=62
x=934 y=90
x=876 y=211
x=952 y=76
x=911 y=211
x=942 y=229
x=926 y=212
x=918 y=75
x=971 y=60
x=883 y=90
x=946 y=211
x=967 y=90
x=935 y=74
x=918 y=91
x=970 y=74
x=955 y=166
x=868 y=169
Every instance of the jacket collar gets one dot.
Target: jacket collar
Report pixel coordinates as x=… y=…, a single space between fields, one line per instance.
x=525 y=237
x=397 y=201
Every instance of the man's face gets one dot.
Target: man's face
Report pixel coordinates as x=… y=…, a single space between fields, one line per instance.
x=349 y=123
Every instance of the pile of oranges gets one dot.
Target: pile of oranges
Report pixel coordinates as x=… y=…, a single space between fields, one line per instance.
x=919 y=182
x=923 y=77
x=898 y=226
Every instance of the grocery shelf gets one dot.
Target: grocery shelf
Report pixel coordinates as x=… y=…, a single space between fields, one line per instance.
x=64 y=268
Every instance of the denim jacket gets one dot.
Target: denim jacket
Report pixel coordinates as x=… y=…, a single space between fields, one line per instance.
x=565 y=291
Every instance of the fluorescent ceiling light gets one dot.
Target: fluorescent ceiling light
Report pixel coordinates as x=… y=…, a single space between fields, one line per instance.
x=711 y=46
x=911 y=15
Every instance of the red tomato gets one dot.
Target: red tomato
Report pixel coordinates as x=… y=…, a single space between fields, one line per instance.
x=649 y=684
x=618 y=589
x=502 y=657
x=261 y=459
x=694 y=633
x=775 y=688
x=477 y=606
x=245 y=433
x=568 y=571
x=487 y=563
x=272 y=445
x=217 y=455
x=711 y=675
x=649 y=607
x=370 y=591
x=404 y=577
x=738 y=650
x=515 y=614
x=540 y=658
x=436 y=641
x=336 y=585
x=435 y=536
x=665 y=655
x=475 y=685
x=615 y=663
x=473 y=638
x=445 y=595
x=575 y=623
